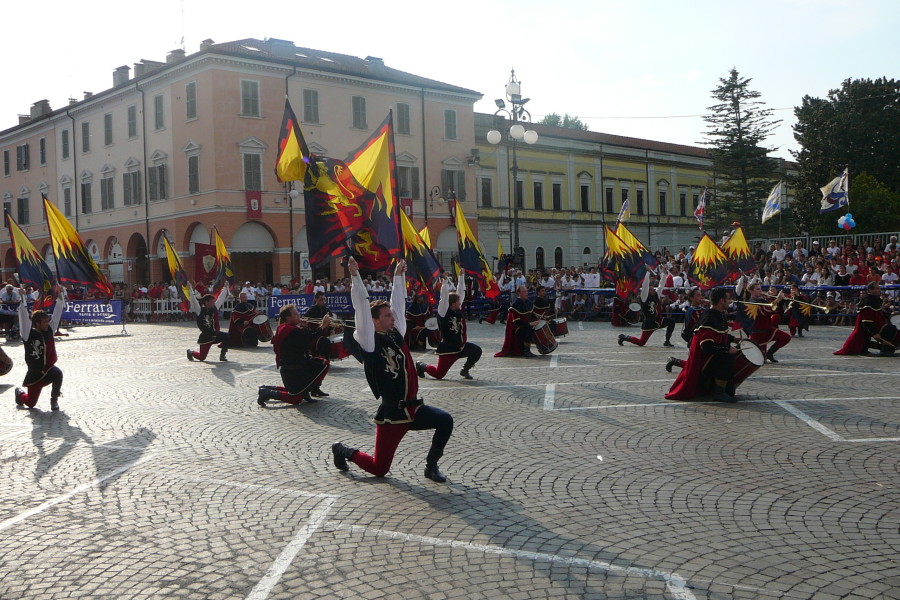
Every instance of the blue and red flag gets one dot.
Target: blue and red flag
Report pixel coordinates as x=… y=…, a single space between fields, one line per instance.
x=423 y=271
x=620 y=265
x=738 y=251
x=293 y=153
x=709 y=266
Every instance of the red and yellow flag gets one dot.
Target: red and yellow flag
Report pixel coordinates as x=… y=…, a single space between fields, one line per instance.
x=33 y=269
x=177 y=271
x=620 y=265
x=422 y=268
x=738 y=250
x=224 y=270
x=293 y=153
x=74 y=264
x=471 y=257
x=709 y=266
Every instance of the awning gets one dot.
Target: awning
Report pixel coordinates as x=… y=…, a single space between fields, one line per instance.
x=251 y=237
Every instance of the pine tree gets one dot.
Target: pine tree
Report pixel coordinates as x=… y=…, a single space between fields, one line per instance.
x=737 y=128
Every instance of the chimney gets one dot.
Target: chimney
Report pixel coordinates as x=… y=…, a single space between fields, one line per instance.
x=72 y=101
x=24 y=119
x=207 y=43
x=87 y=95
x=40 y=108
x=138 y=69
x=175 y=56
x=120 y=75
x=282 y=48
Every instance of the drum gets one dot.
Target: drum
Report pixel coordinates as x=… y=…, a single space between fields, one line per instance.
x=559 y=327
x=431 y=324
x=250 y=337
x=634 y=307
x=543 y=338
x=337 y=351
x=6 y=363
x=262 y=327
x=750 y=358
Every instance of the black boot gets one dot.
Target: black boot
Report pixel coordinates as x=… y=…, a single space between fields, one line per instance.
x=222 y=356
x=771 y=356
x=433 y=473
x=341 y=454
x=267 y=392
x=420 y=369
x=318 y=393
x=671 y=363
x=720 y=394
x=54 y=403
x=190 y=355
x=465 y=372
x=622 y=337
x=668 y=343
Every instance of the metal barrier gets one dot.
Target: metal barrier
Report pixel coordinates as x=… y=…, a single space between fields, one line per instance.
x=148 y=310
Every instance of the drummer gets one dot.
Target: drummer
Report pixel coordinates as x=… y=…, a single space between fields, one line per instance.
x=542 y=307
x=873 y=328
x=454 y=344
x=241 y=318
x=711 y=356
x=314 y=316
x=520 y=325
x=301 y=373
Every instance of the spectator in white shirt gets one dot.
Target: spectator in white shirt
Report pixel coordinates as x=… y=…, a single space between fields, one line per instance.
x=779 y=253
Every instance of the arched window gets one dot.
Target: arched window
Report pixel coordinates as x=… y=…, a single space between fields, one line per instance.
x=539 y=258
x=558 y=257
x=586 y=255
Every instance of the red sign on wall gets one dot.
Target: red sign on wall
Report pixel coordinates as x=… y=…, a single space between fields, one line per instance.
x=406 y=205
x=254 y=204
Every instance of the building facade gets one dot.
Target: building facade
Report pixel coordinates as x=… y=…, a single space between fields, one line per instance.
x=571 y=182
x=190 y=143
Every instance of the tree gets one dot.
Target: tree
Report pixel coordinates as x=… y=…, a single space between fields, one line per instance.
x=565 y=121
x=858 y=127
x=737 y=128
x=874 y=206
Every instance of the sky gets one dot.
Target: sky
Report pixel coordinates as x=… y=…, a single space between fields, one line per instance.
x=639 y=68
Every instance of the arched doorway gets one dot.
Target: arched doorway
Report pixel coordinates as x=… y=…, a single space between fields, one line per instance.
x=252 y=250
x=136 y=260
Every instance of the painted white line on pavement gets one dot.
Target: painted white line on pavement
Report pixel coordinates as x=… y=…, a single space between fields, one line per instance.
x=81 y=488
x=548 y=396
x=554 y=361
x=274 y=573
x=675 y=583
x=580 y=325
x=810 y=421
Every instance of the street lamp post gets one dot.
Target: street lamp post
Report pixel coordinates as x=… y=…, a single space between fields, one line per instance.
x=517 y=115
x=292 y=195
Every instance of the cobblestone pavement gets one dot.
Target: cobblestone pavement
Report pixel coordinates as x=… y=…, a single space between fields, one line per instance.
x=570 y=476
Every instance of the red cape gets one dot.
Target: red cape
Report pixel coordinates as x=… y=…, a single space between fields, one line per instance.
x=690 y=382
x=858 y=339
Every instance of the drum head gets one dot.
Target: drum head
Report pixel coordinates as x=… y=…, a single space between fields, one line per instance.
x=895 y=321
x=260 y=319
x=752 y=352
x=336 y=339
x=431 y=324
x=634 y=307
x=540 y=324
x=563 y=320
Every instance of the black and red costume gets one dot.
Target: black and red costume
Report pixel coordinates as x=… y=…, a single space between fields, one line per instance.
x=761 y=321
x=416 y=335
x=542 y=308
x=871 y=319
x=653 y=319
x=798 y=314
x=40 y=356
x=454 y=343
x=321 y=343
x=241 y=319
x=300 y=372
x=519 y=332
x=391 y=374
x=208 y=323
x=708 y=359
